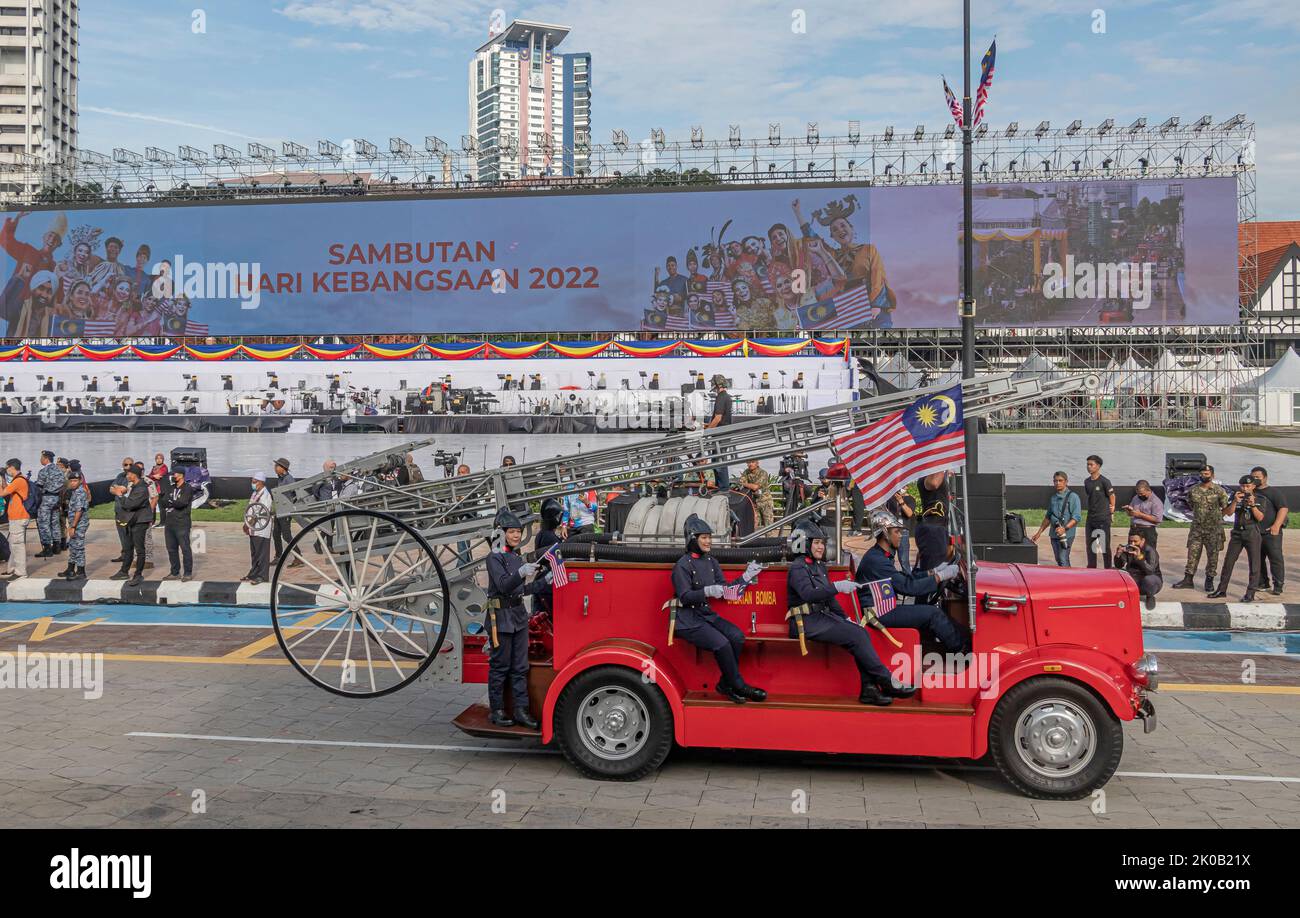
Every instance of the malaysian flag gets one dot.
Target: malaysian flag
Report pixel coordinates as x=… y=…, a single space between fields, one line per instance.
x=986 y=80
x=724 y=315
x=559 y=576
x=925 y=437
x=883 y=598
x=954 y=105
x=732 y=592
x=849 y=309
x=101 y=328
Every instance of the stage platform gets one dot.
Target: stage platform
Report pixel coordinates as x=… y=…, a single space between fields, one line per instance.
x=416 y=424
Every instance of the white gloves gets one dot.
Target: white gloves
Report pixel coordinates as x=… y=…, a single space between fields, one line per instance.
x=527 y=569
x=846 y=586
x=549 y=578
x=946 y=572
x=714 y=590
x=752 y=570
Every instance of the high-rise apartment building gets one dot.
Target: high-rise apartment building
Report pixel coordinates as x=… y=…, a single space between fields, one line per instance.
x=529 y=106
x=38 y=85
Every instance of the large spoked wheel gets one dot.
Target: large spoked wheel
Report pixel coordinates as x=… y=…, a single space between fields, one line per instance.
x=611 y=724
x=1054 y=740
x=359 y=603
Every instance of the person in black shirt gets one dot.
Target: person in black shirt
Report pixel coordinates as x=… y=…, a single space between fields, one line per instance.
x=933 y=490
x=1142 y=563
x=1100 y=497
x=177 y=498
x=1248 y=509
x=1272 y=563
x=721 y=418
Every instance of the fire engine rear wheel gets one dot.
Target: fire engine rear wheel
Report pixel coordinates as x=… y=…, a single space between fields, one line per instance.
x=613 y=725
x=1053 y=739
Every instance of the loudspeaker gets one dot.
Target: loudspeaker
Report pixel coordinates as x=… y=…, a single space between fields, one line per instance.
x=1008 y=554
x=1177 y=464
x=986 y=484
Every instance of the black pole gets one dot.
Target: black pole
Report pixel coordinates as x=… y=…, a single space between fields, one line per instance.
x=968 y=248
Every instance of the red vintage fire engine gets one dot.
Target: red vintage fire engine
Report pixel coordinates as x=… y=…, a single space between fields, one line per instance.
x=1057 y=665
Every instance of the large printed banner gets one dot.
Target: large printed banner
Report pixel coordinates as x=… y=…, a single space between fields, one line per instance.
x=792 y=259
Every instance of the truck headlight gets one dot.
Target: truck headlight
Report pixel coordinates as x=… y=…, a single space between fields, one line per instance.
x=1147 y=671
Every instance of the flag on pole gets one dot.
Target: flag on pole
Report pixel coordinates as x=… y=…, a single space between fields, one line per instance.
x=883 y=598
x=559 y=576
x=986 y=80
x=954 y=104
x=925 y=437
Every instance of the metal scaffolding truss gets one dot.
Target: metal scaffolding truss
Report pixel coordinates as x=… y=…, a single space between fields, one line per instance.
x=919 y=156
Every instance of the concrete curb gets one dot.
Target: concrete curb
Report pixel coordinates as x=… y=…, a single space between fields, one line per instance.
x=1166 y=616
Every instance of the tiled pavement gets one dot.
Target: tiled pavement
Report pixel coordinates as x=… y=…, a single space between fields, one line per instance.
x=67 y=761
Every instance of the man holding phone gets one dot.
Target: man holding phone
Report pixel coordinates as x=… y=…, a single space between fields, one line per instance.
x=1249 y=510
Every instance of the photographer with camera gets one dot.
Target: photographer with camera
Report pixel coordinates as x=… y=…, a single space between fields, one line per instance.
x=794 y=480
x=1249 y=509
x=1143 y=564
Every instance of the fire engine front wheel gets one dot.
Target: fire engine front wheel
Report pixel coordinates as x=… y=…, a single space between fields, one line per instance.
x=1052 y=739
x=613 y=725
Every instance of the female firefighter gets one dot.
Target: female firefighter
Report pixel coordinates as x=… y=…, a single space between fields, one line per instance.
x=697 y=578
x=814 y=611
x=508 y=584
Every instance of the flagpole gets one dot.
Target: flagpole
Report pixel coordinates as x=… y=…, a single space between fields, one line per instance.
x=968 y=247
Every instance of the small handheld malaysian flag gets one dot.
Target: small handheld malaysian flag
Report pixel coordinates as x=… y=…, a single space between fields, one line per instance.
x=559 y=576
x=733 y=591
x=883 y=598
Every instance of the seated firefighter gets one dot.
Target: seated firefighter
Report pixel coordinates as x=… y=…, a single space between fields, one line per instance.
x=815 y=613
x=697 y=578
x=508 y=584
x=881 y=563
x=1142 y=562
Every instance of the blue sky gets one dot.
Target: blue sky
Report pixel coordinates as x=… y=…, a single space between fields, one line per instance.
x=304 y=70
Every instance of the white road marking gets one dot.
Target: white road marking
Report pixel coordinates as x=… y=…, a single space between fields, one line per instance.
x=1175 y=776
x=310 y=742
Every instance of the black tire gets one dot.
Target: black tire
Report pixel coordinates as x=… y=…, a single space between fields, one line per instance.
x=618 y=682
x=1102 y=738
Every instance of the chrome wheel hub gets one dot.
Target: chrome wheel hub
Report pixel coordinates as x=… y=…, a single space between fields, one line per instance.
x=613 y=723
x=1056 y=738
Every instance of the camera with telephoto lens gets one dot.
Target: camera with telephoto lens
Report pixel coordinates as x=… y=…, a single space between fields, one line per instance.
x=447 y=461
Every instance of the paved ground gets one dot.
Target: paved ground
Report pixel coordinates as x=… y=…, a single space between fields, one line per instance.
x=246 y=741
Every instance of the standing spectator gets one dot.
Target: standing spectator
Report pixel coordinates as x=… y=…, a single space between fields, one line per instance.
x=78 y=495
x=283 y=530
x=1101 y=507
x=1142 y=563
x=50 y=482
x=1248 y=511
x=65 y=467
x=135 y=516
x=721 y=418
x=155 y=493
x=1064 y=513
x=158 y=474
x=15 y=493
x=1147 y=510
x=1208 y=502
x=118 y=490
x=1271 y=560
x=177 y=499
x=331 y=485
x=413 y=472
x=903 y=508
x=758 y=485
x=259 y=533
x=578 y=513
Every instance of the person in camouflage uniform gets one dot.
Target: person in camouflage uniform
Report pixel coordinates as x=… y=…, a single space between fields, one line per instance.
x=52 y=482
x=78 y=523
x=758 y=484
x=1208 y=501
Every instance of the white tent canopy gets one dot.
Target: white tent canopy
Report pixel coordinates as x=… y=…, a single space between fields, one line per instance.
x=1279 y=391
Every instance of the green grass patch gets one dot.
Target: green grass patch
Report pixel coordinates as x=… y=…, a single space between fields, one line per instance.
x=233 y=512
x=1121 y=520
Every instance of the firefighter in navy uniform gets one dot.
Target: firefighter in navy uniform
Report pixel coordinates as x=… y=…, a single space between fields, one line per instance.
x=508 y=584
x=808 y=585
x=697 y=578
x=553 y=532
x=881 y=563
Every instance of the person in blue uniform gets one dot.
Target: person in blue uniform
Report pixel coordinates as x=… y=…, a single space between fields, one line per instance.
x=508 y=584
x=553 y=532
x=809 y=583
x=697 y=578
x=881 y=563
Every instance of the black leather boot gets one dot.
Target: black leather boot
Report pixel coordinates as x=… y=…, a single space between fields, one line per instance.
x=871 y=694
x=894 y=690
x=727 y=691
x=1218 y=594
x=1185 y=584
x=752 y=693
x=1209 y=583
x=501 y=719
x=524 y=719
x=67 y=571
x=45 y=551
x=78 y=574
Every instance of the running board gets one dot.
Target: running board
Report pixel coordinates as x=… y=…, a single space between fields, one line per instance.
x=476 y=721
x=836 y=703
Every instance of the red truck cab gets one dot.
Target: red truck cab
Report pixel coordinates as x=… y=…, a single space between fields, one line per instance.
x=1057 y=666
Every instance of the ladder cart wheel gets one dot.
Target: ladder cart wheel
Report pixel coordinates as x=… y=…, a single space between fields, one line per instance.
x=360 y=603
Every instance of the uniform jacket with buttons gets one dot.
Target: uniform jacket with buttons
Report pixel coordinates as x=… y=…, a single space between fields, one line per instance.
x=879 y=564
x=507 y=584
x=808 y=581
x=691 y=574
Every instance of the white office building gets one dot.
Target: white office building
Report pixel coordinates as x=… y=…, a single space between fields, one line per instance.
x=38 y=85
x=529 y=106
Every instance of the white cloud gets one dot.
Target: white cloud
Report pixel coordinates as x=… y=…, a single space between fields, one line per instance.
x=175 y=122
